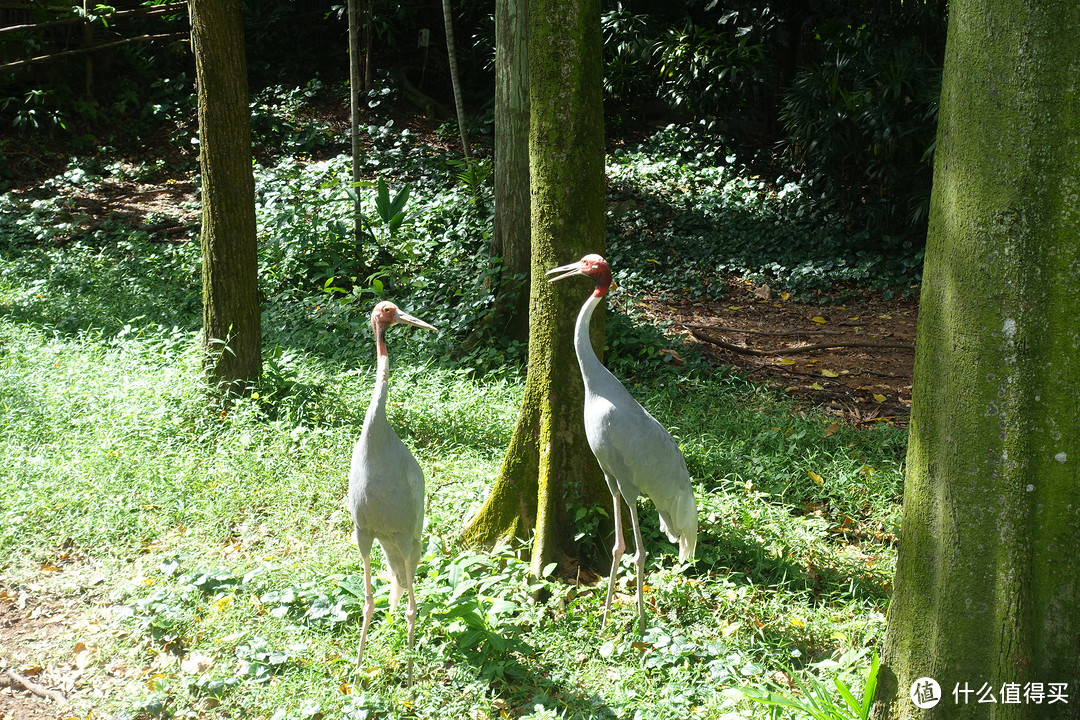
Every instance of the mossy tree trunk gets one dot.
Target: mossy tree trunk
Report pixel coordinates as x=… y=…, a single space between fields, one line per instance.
x=987 y=580
x=231 y=324
x=548 y=466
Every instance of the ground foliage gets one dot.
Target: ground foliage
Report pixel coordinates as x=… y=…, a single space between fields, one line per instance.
x=212 y=547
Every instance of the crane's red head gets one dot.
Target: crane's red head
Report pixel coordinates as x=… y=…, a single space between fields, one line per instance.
x=592 y=266
x=386 y=313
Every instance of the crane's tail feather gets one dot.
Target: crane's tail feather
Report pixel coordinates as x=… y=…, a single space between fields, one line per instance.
x=396 y=591
x=679 y=523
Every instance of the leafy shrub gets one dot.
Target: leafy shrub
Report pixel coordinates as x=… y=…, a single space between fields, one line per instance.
x=861 y=124
x=710 y=72
x=695 y=213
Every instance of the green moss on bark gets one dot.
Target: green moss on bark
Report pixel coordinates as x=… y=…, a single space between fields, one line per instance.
x=987 y=578
x=549 y=466
x=229 y=262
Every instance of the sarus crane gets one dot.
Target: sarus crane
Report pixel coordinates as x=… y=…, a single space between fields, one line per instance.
x=635 y=452
x=386 y=488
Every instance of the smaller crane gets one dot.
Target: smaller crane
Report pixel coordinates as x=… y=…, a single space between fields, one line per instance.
x=386 y=488
x=635 y=452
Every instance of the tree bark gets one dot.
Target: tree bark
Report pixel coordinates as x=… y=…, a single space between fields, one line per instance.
x=459 y=105
x=548 y=467
x=231 y=324
x=987 y=580
x=356 y=83
x=510 y=229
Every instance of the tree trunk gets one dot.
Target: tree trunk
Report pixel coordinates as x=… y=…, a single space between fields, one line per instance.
x=548 y=467
x=987 y=580
x=231 y=330
x=510 y=230
x=356 y=82
x=459 y=106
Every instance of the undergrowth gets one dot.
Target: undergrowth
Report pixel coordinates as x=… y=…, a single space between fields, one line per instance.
x=233 y=585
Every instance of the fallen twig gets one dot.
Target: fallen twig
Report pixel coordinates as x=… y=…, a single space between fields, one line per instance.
x=705 y=337
x=38 y=690
x=749 y=331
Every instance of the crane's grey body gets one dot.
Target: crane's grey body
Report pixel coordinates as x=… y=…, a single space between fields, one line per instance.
x=386 y=489
x=637 y=455
x=386 y=493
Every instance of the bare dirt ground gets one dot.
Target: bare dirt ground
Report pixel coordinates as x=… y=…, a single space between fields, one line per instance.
x=47 y=644
x=853 y=359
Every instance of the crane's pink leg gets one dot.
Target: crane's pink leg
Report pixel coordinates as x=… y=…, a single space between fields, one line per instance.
x=639 y=560
x=410 y=616
x=616 y=557
x=369 y=610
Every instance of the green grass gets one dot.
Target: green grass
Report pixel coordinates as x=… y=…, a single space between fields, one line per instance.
x=224 y=536
x=211 y=548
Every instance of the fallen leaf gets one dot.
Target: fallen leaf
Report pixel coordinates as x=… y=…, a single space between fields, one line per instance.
x=345 y=689
x=735 y=307
x=816 y=478
x=832 y=429
x=879 y=398
x=819 y=320
x=676 y=358
x=816 y=386
x=84 y=655
x=31 y=670
x=641 y=646
x=829 y=373
x=796 y=622
x=787 y=361
x=196 y=664
x=785 y=295
x=729 y=629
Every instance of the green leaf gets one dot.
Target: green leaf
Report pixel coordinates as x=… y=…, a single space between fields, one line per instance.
x=382 y=201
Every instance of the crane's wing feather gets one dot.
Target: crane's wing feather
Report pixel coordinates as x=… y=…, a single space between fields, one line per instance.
x=386 y=496
x=641 y=455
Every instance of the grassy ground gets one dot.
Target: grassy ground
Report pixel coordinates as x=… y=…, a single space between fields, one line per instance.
x=211 y=552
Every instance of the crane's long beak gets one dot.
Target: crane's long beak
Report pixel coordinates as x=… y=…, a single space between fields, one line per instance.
x=406 y=318
x=573 y=268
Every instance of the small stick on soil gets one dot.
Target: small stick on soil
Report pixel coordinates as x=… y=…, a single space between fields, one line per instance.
x=38 y=690
x=796 y=350
x=749 y=331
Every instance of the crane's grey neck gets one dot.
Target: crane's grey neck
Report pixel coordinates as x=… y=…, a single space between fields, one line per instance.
x=587 y=360
x=382 y=374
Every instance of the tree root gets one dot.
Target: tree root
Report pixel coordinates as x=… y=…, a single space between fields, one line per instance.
x=742 y=349
x=38 y=690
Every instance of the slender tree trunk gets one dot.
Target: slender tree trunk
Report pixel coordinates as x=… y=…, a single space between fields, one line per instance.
x=356 y=81
x=459 y=106
x=231 y=323
x=987 y=578
x=548 y=467
x=510 y=237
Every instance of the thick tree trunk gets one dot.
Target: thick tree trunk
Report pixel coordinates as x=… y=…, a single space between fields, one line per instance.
x=987 y=579
x=548 y=466
x=231 y=324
